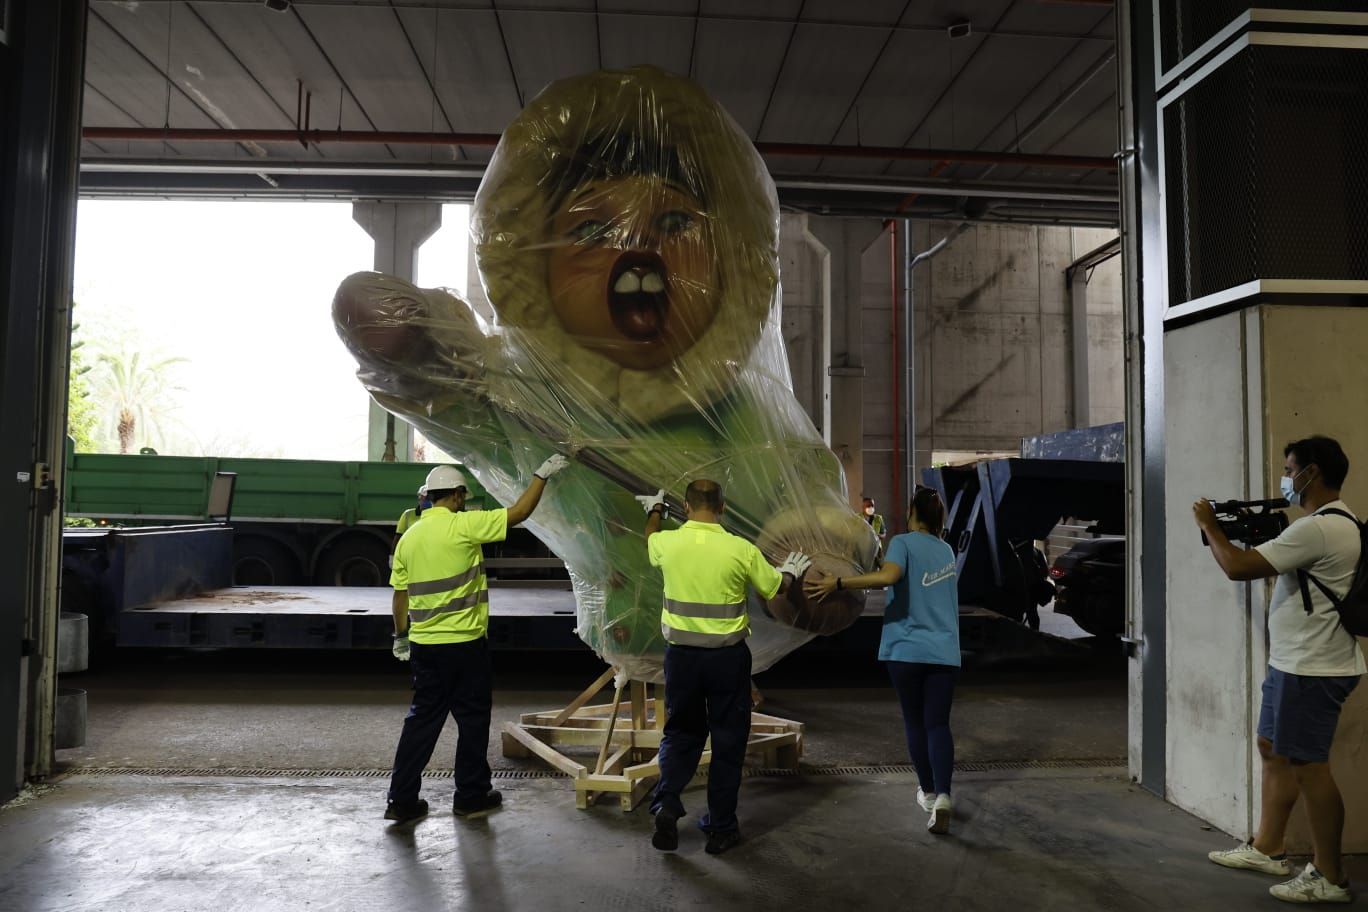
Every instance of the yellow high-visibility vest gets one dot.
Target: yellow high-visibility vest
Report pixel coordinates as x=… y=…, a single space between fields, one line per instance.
x=440 y=564
x=406 y=520
x=707 y=570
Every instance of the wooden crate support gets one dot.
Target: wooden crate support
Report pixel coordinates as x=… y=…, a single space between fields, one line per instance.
x=627 y=735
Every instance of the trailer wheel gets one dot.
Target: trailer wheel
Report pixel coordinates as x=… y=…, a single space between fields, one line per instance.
x=263 y=562
x=354 y=560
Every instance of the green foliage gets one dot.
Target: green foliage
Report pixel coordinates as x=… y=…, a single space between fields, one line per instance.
x=82 y=416
x=136 y=396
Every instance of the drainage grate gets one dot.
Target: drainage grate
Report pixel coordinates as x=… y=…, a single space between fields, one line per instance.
x=895 y=769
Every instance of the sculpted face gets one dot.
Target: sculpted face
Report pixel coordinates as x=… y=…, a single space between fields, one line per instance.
x=631 y=269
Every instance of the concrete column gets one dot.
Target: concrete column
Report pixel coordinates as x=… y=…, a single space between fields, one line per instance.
x=1259 y=343
x=399 y=230
x=1078 y=340
x=843 y=242
x=801 y=313
x=1239 y=392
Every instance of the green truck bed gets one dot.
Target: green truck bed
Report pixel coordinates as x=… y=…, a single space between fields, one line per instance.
x=147 y=488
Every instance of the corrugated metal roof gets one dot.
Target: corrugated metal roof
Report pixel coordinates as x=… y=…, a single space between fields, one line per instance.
x=825 y=72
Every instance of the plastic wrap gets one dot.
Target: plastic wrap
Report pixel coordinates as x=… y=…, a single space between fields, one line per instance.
x=626 y=233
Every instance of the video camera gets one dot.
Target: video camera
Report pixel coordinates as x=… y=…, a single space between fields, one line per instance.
x=1252 y=522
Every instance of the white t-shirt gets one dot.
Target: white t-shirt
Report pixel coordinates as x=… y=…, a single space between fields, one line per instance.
x=1313 y=644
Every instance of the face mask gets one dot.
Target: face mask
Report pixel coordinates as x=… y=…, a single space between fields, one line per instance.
x=1289 y=489
x=424 y=504
x=869 y=511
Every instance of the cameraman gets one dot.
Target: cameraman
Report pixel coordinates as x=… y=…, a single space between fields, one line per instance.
x=1313 y=665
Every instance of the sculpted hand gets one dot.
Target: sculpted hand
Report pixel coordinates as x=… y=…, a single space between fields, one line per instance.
x=820 y=588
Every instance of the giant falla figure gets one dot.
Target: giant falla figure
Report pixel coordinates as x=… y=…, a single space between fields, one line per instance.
x=627 y=237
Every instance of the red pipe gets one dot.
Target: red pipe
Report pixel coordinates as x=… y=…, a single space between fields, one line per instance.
x=396 y=137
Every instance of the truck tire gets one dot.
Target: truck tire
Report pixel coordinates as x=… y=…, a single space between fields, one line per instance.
x=260 y=561
x=353 y=560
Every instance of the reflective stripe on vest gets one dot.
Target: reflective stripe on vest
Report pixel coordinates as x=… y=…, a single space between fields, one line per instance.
x=440 y=607
x=704 y=610
x=443 y=585
x=461 y=603
x=703 y=624
x=709 y=640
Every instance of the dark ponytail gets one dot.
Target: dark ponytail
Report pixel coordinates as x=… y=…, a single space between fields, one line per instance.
x=926 y=503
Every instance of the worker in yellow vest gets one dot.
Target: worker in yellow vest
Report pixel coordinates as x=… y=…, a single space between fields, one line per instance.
x=407 y=519
x=707 y=571
x=441 y=616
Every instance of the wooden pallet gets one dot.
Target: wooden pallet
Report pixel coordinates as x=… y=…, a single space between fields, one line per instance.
x=627 y=734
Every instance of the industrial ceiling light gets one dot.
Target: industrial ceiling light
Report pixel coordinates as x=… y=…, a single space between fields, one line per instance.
x=959 y=30
x=280 y=6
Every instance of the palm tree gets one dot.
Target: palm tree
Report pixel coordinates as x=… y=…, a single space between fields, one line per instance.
x=81 y=412
x=135 y=393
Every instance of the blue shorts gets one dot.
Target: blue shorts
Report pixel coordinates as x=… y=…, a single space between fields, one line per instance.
x=1300 y=712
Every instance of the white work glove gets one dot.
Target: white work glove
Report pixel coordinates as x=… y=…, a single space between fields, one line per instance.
x=796 y=564
x=401 y=648
x=390 y=562
x=650 y=501
x=552 y=465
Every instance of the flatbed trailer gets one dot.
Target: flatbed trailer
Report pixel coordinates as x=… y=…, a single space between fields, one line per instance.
x=295 y=521
x=522 y=617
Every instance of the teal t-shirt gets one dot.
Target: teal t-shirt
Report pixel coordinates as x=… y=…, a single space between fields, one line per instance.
x=921 y=612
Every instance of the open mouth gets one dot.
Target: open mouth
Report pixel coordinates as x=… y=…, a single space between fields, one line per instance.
x=638 y=301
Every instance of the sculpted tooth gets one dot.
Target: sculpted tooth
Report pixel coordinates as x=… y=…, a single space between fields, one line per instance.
x=627 y=283
x=652 y=283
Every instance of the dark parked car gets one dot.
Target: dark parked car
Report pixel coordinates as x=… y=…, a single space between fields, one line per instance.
x=1090 y=585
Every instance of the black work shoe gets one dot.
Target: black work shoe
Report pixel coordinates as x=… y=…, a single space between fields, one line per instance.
x=481 y=805
x=404 y=811
x=666 y=835
x=719 y=842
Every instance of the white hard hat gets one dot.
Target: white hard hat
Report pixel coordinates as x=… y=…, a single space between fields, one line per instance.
x=443 y=478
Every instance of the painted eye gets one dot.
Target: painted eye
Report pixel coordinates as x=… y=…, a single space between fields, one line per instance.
x=676 y=221
x=589 y=231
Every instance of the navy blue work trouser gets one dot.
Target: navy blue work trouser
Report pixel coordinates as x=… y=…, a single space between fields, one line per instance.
x=706 y=691
x=926 y=692
x=454 y=678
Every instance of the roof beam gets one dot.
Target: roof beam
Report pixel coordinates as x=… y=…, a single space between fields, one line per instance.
x=399 y=137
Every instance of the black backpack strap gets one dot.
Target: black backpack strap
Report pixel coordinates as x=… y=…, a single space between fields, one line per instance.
x=1334 y=599
x=1334 y=511
x=1302 y=577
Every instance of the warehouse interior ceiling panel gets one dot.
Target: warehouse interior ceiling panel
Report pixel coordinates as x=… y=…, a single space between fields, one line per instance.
x=875 y=107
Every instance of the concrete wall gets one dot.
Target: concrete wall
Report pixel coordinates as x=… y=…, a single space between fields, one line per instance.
x=1237 y=389
x=1306 y=352
x=1214 y=639
x=993 y=339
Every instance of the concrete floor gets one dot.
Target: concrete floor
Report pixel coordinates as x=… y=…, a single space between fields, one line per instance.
x=1035 y=840
x=341 y=711
x=189 y=833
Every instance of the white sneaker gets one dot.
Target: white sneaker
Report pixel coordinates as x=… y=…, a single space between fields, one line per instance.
x=1310 y=886
x=1248 y=858
x=925 y=800
x=939 y=822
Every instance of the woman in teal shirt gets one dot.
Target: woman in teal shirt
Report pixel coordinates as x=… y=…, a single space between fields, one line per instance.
x=920 y=643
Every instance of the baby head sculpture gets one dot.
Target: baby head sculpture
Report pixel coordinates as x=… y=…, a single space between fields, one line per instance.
x=628 y=227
